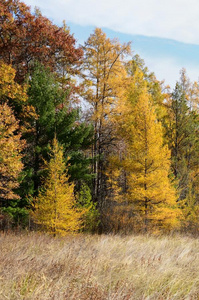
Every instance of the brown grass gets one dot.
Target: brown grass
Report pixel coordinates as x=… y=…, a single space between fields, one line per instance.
x=98 y=267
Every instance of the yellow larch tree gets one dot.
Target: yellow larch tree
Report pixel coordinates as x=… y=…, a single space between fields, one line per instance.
x=55 y=207
x=103 y=85
x=146 y=163
x=149 y=163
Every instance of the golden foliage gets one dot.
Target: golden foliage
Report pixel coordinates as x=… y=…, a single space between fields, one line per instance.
x=8 y=87
x=105 y=82
x=16 y=96
x=146 y=162
x=55 y=205
x=10 y=153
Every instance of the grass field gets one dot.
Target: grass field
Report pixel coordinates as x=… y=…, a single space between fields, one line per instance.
x=98 y=267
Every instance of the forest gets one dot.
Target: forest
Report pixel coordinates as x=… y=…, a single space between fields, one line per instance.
x=90 y=139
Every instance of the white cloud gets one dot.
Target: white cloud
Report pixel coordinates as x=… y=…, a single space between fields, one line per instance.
x=169 y=70
x=173 y=19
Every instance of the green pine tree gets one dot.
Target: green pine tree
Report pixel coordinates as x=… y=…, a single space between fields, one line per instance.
x=183 y=140
x=91 y=216
x=54 y=115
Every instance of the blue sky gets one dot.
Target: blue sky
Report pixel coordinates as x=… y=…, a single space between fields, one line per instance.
x=164 y=33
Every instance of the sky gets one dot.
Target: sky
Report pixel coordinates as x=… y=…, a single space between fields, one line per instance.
x=164 y=33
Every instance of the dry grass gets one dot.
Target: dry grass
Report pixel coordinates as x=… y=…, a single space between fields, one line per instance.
x=98 y=267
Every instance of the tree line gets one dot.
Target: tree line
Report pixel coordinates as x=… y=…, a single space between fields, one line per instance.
x=125 y=161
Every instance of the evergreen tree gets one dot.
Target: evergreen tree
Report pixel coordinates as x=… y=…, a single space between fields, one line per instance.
x=54 y=115
x=183 y=140
x=91 y=215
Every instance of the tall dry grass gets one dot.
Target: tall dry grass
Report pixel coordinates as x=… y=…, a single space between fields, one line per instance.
x=98 y=267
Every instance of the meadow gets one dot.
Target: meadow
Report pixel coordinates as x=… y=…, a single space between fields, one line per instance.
x=98 y=267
